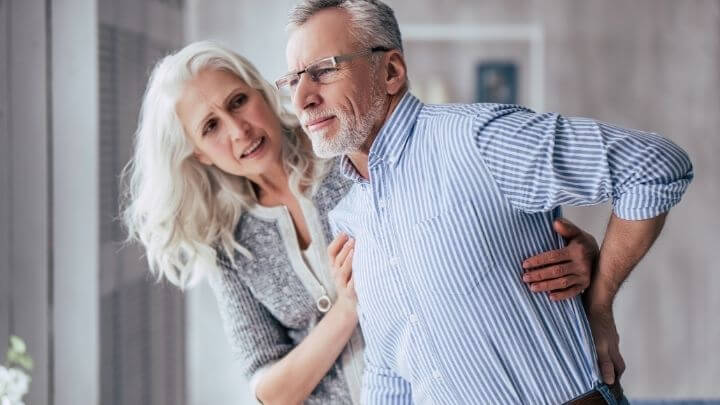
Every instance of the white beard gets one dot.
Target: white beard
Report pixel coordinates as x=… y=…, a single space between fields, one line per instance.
x=352 y=133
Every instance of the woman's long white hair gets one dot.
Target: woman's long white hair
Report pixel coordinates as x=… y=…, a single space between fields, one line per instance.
x=181 y=210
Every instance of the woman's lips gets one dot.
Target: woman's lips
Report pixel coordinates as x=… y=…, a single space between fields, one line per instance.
x=256 y=151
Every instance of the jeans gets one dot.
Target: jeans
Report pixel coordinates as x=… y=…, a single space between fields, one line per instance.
x=604 y=390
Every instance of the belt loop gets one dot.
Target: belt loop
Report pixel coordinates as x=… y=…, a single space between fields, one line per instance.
x=607 y=395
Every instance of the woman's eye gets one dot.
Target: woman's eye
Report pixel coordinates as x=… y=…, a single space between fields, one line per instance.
x=238 y=100
x=209 y=127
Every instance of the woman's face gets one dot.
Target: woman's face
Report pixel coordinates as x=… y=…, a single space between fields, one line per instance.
x=230 y=123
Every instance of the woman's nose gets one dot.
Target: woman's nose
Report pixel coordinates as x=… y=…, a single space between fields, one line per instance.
x=239 y=129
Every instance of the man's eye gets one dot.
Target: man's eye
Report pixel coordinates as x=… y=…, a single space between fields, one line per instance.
x=322 y=72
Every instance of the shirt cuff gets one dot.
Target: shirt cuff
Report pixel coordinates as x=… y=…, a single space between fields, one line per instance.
x=649 y=201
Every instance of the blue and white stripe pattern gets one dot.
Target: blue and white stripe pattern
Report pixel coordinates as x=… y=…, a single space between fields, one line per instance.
x=458 y=197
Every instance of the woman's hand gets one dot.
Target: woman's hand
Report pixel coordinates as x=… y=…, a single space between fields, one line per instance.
x=340 y=252
x=565 y=272
x=292 y=379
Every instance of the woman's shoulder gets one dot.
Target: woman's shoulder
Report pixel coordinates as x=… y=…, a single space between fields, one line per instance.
x=333 y=183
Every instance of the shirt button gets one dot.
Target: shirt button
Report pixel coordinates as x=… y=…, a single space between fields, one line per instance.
x=381 y=203
x=413 y=318
x=394 y=261
x=437 y=375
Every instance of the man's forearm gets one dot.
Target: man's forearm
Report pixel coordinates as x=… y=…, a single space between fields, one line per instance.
x=625 y=243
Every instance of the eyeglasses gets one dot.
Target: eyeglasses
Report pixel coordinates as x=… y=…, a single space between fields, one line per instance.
x=322 y=71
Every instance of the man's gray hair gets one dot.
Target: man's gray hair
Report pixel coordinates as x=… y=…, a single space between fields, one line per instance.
x=374 y=22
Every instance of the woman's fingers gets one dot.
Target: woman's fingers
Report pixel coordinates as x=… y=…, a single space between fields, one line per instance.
x=346 y=267
x=342 y=255
x=347 y=263
x=334 y=247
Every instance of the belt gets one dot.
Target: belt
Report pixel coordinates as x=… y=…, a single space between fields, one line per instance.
x=595 y=397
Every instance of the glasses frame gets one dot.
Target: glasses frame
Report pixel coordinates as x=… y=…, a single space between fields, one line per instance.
x=284 y=80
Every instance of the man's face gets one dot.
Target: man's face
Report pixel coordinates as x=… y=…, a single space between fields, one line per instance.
x=341 y=114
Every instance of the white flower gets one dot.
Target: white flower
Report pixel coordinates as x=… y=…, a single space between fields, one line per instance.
x=19 y=384
x=4 y=381
x=14 y=385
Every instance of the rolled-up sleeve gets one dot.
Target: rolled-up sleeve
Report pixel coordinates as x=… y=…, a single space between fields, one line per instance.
x=541 y=161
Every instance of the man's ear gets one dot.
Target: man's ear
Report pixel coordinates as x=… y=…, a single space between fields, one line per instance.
x=202 y=158
x=396 y=72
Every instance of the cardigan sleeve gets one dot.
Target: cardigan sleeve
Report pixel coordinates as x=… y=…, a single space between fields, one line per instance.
x=257 y=339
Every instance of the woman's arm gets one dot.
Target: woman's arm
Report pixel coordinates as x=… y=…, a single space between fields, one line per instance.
x=294 y=377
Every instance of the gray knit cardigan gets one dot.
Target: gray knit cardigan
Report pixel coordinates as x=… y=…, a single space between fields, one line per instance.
x=267 y=310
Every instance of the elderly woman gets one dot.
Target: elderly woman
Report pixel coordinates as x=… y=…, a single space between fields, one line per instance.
x=224 y=184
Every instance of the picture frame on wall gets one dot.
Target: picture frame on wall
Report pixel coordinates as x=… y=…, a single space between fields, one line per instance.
x=496 y=82
x=461 y=63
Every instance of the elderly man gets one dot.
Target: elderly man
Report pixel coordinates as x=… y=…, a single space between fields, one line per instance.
x=448 y=199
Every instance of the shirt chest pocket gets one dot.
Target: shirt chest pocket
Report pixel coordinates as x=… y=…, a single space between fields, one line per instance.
x=449 y=251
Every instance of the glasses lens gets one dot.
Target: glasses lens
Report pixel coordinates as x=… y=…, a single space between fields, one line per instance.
x=286 y=81
x=322 y=71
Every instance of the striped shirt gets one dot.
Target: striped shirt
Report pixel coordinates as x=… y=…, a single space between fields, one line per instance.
x=458 y=196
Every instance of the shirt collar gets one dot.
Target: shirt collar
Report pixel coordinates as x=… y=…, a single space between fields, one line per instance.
x=390 y=141
x=348 y=170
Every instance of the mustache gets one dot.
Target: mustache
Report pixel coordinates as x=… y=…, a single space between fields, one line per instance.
x=310 y=117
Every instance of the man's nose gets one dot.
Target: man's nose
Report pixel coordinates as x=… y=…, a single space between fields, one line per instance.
x=305 y=94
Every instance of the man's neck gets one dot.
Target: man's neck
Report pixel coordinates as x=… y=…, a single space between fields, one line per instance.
x=360 y=158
